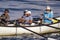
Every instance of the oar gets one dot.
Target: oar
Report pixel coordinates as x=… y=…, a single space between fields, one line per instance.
x=36 y=32
x=32 y=31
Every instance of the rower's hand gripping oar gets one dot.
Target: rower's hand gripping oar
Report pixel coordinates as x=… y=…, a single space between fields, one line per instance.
x=53 y=20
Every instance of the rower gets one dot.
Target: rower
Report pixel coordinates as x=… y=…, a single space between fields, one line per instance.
x=48 y=15
x=26 y=18
x=21 y=20
x=5 y=17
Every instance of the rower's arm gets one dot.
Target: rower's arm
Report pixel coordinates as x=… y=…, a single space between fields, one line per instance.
x=8 y=18
x=51 y=15
x=30 y=20
x=21 y=20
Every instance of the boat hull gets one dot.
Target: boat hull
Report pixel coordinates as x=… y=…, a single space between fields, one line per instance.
x=19 y=30
x=38 y=29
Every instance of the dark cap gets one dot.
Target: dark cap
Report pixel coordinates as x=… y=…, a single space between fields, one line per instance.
x=6 y=10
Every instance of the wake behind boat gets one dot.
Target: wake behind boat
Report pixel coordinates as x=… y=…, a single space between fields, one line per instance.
x=41 y=29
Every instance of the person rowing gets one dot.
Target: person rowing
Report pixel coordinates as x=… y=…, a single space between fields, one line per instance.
x=48 y=15
x=5 y=17
x=26 y=18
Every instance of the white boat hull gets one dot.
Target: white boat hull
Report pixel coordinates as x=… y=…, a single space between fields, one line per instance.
x=12 y=30
x=38 y=29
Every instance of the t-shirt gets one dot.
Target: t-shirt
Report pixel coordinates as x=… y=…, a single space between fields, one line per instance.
x=49 y=15
x=27 y=18
x=4 y=17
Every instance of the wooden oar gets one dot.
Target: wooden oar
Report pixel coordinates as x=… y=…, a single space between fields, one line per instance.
x=36 y=32
x=32 y=31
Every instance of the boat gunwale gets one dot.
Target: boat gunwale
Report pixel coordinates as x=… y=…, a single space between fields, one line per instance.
x=32 y=26
x=35 y=25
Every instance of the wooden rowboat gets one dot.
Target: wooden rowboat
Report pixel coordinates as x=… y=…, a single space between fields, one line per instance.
x=41 y=29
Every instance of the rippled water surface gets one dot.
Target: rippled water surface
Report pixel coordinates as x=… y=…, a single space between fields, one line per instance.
x=37 y=7
x=17 y=7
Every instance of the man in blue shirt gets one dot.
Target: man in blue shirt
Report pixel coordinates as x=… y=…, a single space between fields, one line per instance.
x=48 y=15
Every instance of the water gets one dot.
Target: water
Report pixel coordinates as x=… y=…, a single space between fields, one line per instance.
x=37 y=7
x=33 y=37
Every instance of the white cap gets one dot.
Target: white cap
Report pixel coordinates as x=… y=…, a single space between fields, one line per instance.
x=28 y=12
x=25 y=11
x=48 y=7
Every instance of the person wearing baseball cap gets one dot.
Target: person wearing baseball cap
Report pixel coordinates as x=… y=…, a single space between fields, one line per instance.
x=48 y=15
x=26 y=18
x=28 y=13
